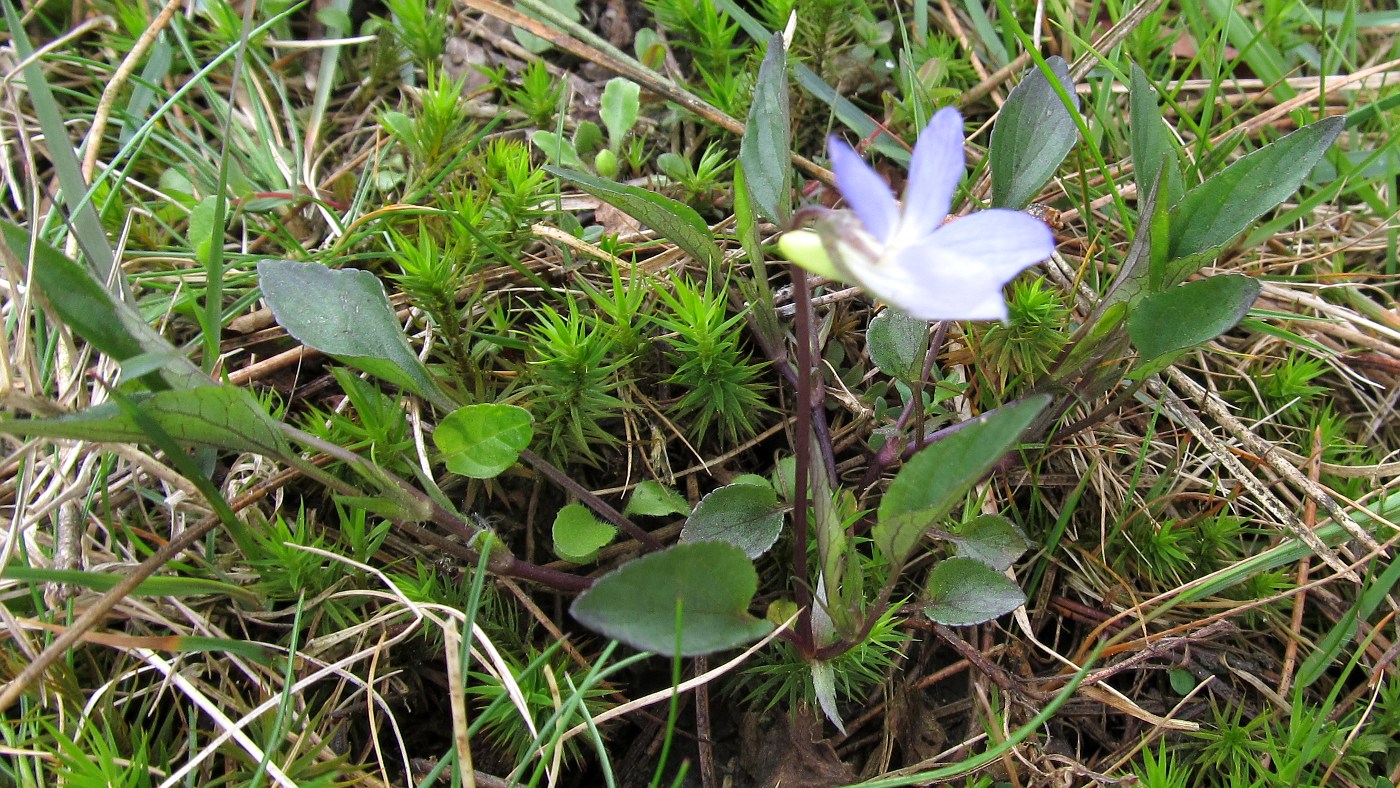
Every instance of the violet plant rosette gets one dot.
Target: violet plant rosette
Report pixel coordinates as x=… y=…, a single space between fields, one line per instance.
x=906 y=255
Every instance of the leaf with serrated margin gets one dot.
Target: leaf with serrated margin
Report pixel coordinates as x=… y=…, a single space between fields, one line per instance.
x=345 y=314
x=1214 y=213
x=224 y=417
x=743 y=514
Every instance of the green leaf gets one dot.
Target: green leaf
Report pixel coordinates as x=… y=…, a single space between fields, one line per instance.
x=962 y=592
x=936 y=479
x=745 y=515
x=533 y=43
x=618 y=108
x=1214 y=213
x=654 y=499
x=712 y=583
x=345 y=314
x=1032 y=136
x=1186 y=315
x=151 y=586
x=481 y=441
x=224 y=417
x=578 y=535
x=677 y=221
x=990 y=539
x=898 y=344
x=1154 y=147
x=202 y=233
x=764 y=150
x=1146 y=254
x=558 y=149
x=87 y=307
x=1182 y=681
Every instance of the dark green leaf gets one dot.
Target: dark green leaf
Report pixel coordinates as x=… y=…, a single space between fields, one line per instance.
x=991 y=539
x=224 y=417
x=89 y=308
x=962 y=592
x=1153 y=146
x=898 y=344
x=151 y=586
x=578 y=535
x=764 y=149
x=1189 y=314
x=706 y=586
x=677 y=221
x=481 y=441
x=1032 y=136
x=745 y=515
x=1214 y=213
x=653 y=499
x=936 y=479
x=345 y=314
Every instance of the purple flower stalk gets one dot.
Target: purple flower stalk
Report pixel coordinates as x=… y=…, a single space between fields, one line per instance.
x=906 y=255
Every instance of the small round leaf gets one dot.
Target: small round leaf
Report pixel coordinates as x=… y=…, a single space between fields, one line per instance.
x=962 y=591
x=578 y=535
x=480 y=441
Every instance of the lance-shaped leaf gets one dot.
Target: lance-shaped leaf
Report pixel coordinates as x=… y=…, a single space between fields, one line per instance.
x=91 y=310
x=1153 y=146
x=1187 y=315
x=705 y=586
x=1214 y=213
x=677 y=221
x=764 y=148
x=346 y=315
x=1032 y=135
x=224 y=417
x=935 y=480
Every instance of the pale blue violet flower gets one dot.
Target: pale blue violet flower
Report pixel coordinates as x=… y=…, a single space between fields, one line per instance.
x=906 y=255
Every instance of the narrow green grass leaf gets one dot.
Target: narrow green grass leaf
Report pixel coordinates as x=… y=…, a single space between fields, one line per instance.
x=1033 y=134
x=744 y=514
x=846 y=111
x=677 y=221
x=1214 y=213
x=105 y=581
x=713 y=583
x=224 y=417
x=345 y=314
x=935 y=480
x=962 y=592
x=73 y=195
x=765 y=149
